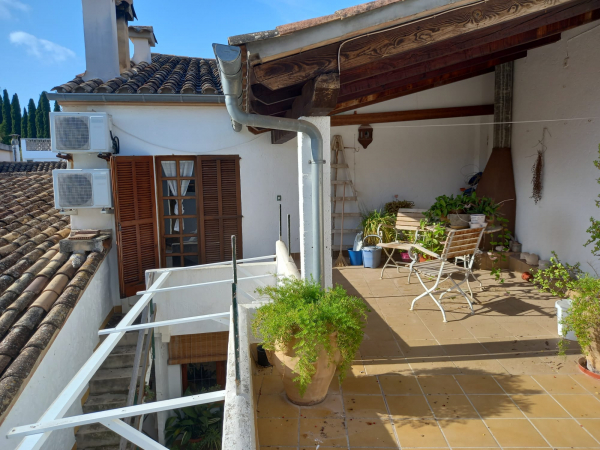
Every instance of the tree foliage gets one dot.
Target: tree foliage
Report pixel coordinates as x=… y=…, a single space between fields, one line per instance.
x=15 y=114
x=32 y=125
x=56 y=107
x=24 y=123
x=42 y=121
x=6 y=115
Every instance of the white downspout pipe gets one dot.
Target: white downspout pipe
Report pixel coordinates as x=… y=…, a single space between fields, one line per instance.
x=230 y=68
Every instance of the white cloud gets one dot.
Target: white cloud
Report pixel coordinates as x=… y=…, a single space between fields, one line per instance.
x=41 y=48
x=7 y=7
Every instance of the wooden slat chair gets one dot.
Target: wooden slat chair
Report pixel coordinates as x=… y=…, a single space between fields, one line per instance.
x=458 y=243
x=407 y=220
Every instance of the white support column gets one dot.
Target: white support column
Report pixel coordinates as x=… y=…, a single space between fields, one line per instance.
x=161 y=356
x=305 y=188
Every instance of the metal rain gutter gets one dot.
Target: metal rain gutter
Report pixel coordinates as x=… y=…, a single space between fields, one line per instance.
x=136 y=98
x=229 y=59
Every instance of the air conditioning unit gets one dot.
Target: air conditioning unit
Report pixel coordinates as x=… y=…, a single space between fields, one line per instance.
x=82 y=188
x=80 y=132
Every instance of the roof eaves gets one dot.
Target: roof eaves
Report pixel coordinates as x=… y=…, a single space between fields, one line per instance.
x=136 y=98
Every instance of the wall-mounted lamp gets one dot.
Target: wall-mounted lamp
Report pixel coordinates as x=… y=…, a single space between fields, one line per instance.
x=365 y=135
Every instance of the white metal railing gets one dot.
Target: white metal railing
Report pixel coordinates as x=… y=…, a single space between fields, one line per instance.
x=35 y=435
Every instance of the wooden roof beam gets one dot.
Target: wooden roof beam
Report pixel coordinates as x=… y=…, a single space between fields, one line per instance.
x=406 y=116
x=319 y=97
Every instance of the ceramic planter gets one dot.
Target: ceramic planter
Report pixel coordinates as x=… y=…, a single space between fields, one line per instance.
x=286 y=360
x=458 y=221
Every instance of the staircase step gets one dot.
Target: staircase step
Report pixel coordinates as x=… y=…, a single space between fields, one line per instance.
x=346 y=214
x=348 y=199
x=347 y=230
x=341 y=182
x=111 y=381
x=96 y=436
x=104 y=402
x=121 y=356
x=130 y=338
x=339 y=166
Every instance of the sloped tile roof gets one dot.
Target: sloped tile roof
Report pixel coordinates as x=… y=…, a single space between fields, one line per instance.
x=39 y=285
x=35 y=166
x=166 y=74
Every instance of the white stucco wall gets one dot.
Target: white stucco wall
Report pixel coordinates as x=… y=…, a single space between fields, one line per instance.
x=550 y=86
x=70 y=350
x=6 y=155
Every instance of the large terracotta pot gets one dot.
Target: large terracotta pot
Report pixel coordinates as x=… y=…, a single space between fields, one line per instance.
x=593 y=356
x=286 y=360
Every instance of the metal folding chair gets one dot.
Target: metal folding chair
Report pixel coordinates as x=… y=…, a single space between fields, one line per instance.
x=407 y=220
x=459 y=243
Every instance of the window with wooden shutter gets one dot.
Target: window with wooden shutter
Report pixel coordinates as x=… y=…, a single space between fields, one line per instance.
x=199 y=207
x=135 y=216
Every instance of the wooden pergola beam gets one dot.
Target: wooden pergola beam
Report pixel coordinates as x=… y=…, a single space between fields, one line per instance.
x=370 y=48
x=406 y=116
x=319 y=97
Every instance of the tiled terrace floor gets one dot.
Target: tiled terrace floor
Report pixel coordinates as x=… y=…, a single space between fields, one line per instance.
x=492 y=380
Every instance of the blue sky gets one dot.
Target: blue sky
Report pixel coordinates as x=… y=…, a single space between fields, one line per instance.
x=41 y=41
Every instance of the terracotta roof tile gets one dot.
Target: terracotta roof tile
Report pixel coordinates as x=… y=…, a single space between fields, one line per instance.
x=167 y=74
x=39 y=286
x=36 y=166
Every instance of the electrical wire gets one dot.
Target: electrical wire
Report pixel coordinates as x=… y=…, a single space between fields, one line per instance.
x=184 y=151
x=515 y=122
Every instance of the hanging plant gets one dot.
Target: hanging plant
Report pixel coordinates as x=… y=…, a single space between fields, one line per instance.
x=538 y=169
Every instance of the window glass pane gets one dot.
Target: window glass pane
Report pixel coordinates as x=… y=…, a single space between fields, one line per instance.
x=186 y=168
x=190 y=248
x=190 y=260
x=190 y=225
x=189 y=206
x=201 y=376
x=188 y=188
x=169 y=188
x=171 y=226
x=171 y=207
x=169 y=168
x=172 y=245
x=173 y=261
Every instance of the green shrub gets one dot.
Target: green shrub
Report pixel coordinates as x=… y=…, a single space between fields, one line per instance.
x=392 y=208
x=558 y=278
x=303 y=311
x=371 y=221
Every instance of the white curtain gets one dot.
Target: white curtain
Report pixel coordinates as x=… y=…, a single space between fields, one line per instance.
x=170 y=169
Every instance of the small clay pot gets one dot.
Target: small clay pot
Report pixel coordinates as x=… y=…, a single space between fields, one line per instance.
x=526 y=276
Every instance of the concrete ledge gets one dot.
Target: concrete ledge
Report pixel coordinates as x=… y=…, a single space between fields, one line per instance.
x=97 y=244
x=285 y=263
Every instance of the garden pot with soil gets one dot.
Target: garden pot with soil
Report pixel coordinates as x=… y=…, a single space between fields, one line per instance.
x=458 y=221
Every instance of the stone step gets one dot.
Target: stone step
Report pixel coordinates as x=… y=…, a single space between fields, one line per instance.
x=121 y=356
x=130 y=338
x=111 y=381
x=104 y=402
x=96 y=436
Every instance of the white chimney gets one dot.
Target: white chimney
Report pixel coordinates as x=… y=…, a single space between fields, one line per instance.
x=125 y=13
x=100 y=34
x=142 y=38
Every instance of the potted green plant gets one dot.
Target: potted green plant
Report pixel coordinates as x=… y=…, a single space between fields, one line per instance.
x=450 y=210
x=431 y=238
x=308 y=333
x=200 y=425
x=391 y=208
x=370 y=222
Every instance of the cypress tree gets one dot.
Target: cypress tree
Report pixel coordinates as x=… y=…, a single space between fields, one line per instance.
x=42 y=120
x=1 y=111
x=31 y=128
x=56 y=107
x=24 y=123
x=7 y=120
x=15 y=114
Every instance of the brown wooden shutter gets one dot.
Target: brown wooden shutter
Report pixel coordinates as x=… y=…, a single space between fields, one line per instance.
x=198 y=348
x=135 y=216
x=220 y=207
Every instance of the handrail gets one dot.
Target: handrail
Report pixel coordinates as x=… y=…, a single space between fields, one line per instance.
x=236 y=331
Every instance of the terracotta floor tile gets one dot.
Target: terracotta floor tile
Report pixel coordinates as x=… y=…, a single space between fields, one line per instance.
x=408 y=407
x=465 y=433
x=326 y=432
x=278 y=431
x=379 y=348
x=449 y=330
x=276 y=406
x=564 y=433
x=271 y=384
x=526 y=328
x=590 y=384
x=479 y=384
x=331 y=407
x=385 y=365
x=439 y=384
x=334 y=387
x=519 y=384
x=495 y=406
x=592 y=425
x=451 y=407
x=492 y=330
x=515 y=433
x=377 y=432
x=539 y=406
x=419 y=433
x=479 y=367
x=526 y=366
x=425 y=366
x=364 y=406
x=361 y=385
x=580 y=406
x=559 y=384
x=400 y=385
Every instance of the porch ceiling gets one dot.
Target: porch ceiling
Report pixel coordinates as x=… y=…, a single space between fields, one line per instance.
x=399 y=60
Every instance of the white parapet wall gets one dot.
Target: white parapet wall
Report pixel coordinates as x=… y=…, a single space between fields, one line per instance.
x=285 y=263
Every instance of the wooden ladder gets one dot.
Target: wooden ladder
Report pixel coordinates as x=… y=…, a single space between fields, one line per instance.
x=342 y=192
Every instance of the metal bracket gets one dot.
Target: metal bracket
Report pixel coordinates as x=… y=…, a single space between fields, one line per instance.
x=68 y=212
x=319 y=161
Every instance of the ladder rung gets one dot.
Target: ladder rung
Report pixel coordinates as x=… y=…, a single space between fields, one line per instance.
x=348 y=199
x=341 y=182
x=346 y=214
x=339 y=166
x=347 y=230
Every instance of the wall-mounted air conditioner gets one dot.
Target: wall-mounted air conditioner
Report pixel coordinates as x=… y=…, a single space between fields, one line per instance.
x=82 y=188
x=80 y=132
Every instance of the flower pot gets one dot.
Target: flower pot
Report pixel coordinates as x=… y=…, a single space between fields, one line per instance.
x=285 y=360
x=562 y=311
x=425 y=258
x=459 y=221
x=405 y=257
x=477 y=218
